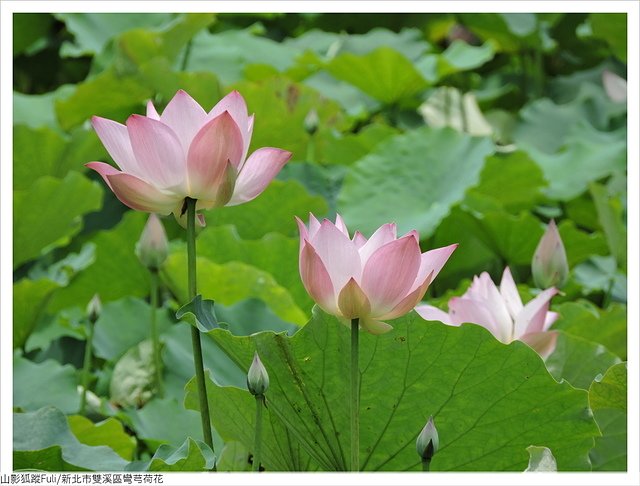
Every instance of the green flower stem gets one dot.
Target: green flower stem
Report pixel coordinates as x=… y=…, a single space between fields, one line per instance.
x=355 y=396
x=86 y=368
x=154 y=331
x=426 y=465
x=195 y=334
x=257 y=444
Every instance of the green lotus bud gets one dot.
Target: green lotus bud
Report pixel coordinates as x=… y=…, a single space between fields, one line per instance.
x=427 y=442
x=152 y=247
x=94 y=308
x=549 y=266
x=311 y=121
x=257 y=378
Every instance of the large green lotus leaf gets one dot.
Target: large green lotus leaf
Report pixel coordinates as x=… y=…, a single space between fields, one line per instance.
x=272 y=211
x=191 y=456
x=233 y=415
x=459 y=56
x=123 y=324
x=580 y=245
x=109 y=432
x=164 y=421
x=115 y=258
x=43 y=151
x=177 y=356
x=611 y=216
x=601 y=274
x=48 y=214
x=37 y=110
x=30 y=298
x=108 y=94
x=69 y=322
x=229 y=283
x=228 y=53
x=29 y=28
x=612 y=28
x=472 y=384
x=158 y=73
x=274 y=253
x=588 y=155
x=281 y=106
x=353 y=146
x=92 y=31
x=42 y=440
x=513 y=180
x=514 y=238
x=135 y=47
x=354 y=102
x=385 y=74
x=546 y=125
x=36 y=152
x=578 y=360
x=323 y=180
x=607 y=327
x=511 y=32
x=474 y=254
x=55 y=384
x=410 y=179
x=608 y=401
x=233 y=457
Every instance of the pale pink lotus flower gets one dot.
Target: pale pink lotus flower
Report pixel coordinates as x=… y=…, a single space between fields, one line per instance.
x=186 y=152
x=374 y=280
x=501 y=312
x=549 y=266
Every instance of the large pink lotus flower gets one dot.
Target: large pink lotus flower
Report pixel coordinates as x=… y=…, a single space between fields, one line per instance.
x=373 y=280
x=186 y=152
x=501 y=312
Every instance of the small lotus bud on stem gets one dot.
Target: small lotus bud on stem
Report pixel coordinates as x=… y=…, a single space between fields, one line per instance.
x=311 y=122
x=94 y=308
x=152 y=247
x=549 y=266
x=257 y=377
x=427 y=443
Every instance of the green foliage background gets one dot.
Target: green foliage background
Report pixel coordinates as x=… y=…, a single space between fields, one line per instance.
x=472 y=128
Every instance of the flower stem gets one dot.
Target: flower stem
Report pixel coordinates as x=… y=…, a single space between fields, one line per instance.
x=355 y=396
x=157 y=361
x=195 y=334
x=426 y=465
x=257 y=444
x=86 y=368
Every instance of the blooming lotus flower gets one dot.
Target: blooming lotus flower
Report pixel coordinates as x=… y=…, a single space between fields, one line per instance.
x=373 y=280
x=549 y=265
x=186 y=152
x=501 y=312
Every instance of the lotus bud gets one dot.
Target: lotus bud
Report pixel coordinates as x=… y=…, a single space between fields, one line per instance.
x=311 y=121
x=549 y=265
x=94 y=308
x=152 y=248
x=427 y=442
x=257 y=378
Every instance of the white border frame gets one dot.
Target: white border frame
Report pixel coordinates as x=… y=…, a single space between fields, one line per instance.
x=8 y=7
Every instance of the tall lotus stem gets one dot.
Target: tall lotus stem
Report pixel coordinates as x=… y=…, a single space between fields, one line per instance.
x=355 y=396
x=258 y=435
x=195 y=334
x=93 y=312
x=157 y=361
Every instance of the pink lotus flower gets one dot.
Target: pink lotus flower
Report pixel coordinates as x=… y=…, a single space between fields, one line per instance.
x=373 y=280
x=186 y=152
x=501 y=312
